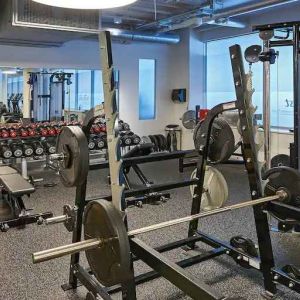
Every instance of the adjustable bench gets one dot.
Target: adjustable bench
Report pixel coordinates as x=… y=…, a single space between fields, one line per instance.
x=14 y=187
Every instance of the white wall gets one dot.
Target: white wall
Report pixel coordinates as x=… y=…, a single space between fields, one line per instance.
x=171 y=73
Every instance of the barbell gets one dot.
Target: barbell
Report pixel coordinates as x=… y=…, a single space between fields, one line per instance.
x=107 y=241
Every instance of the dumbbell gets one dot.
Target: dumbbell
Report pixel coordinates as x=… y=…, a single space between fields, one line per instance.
x=91 y=144
x=5 y=151
x=43 y=131
x=24 y=132
x=126 y=138
x=4 y=133
x=51 y=131
x=50 y=147
x=135 y=139
x=27 y=149
x=17 y=149
x=100 y=141
x=12 y=132
x=38 y=148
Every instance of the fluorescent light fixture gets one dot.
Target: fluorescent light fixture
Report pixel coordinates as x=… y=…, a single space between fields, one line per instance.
x=86 y=4
x=10 y=72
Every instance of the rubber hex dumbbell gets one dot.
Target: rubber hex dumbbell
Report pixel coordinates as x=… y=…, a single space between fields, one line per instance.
x=91 y=144
x=17 y=149
x=24 y=132
x=126 y=138
x=49 y=147
x=101 y=141
x=27 y=149
x=38 y=148
x=4 y=133
x=135 y=139
x=5 y=151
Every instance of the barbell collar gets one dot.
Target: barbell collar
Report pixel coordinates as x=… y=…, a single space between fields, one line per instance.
x=61 y=251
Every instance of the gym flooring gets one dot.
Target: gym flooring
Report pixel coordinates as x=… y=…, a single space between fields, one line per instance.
x=20 y=279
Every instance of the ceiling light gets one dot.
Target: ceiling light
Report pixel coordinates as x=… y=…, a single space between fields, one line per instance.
x=10 y=71
x=86 y=4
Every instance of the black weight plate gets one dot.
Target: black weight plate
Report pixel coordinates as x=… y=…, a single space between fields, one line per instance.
x=252 y=54
x=280 y=160
x=222 y=143
x=158 y=142
x=195 y=135
x=73 y=144
x=284 y=178
x=110 y=263
x=162 y=142
x=153 y=141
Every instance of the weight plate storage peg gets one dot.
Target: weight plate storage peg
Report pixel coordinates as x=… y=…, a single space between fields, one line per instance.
x=110 y=263
x=72 y=156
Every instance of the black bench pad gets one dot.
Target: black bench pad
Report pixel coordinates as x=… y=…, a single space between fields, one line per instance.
x=16 y=185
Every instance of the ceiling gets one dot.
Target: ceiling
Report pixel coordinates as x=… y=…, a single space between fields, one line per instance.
x=24 y=21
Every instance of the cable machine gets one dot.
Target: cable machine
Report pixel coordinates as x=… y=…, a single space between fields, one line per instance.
x=48 y=94
x=266 y=33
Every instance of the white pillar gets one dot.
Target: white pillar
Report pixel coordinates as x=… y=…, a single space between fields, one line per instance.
x=26 y=94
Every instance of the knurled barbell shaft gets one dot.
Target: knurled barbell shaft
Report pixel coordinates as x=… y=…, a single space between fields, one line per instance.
x=96 y=242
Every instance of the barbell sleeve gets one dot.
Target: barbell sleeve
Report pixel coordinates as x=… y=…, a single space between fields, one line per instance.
x=94 y=243
x=56 y=220
x=65 y=250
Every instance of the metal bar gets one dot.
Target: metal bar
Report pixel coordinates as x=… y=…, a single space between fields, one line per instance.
x=172 y=272
x=296 y=67
x=145 y=277
x=281 y=277
x=249 y=151
x=266 y=106
x=202 y=215
x=291 y=212
x=141 y=175
x=55 y=220
x=155 y=157
x=96 y=242
x=275 y=26
x=65 y=250
x=90 y=282
x=281 y=43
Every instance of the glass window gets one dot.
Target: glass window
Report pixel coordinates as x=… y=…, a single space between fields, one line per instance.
x=84 y=89
x=146 y=89
x=98 y=88
x=220 y=87
x=70 y=91
x=282 y=93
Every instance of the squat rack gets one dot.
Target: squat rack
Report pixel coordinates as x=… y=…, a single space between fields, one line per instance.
x=162 y=266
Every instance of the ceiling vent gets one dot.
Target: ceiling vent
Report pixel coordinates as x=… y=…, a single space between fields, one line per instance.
x=31 y=14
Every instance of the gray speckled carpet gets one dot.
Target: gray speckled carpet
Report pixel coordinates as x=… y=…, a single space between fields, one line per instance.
x=20 y=279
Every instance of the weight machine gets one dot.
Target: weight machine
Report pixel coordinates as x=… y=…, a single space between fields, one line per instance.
x=266 y=33
x=111 y=249
x=48 y=92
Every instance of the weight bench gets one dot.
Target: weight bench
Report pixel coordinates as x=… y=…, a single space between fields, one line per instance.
x=151 y=197
x=13 y=188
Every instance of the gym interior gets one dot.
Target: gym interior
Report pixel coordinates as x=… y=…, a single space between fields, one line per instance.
x=149 y=149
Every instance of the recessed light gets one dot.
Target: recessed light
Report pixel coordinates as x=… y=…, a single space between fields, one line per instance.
x=86 y=4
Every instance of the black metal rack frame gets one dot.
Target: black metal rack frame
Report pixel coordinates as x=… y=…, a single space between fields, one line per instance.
x=291 y=27
x=174 y=272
